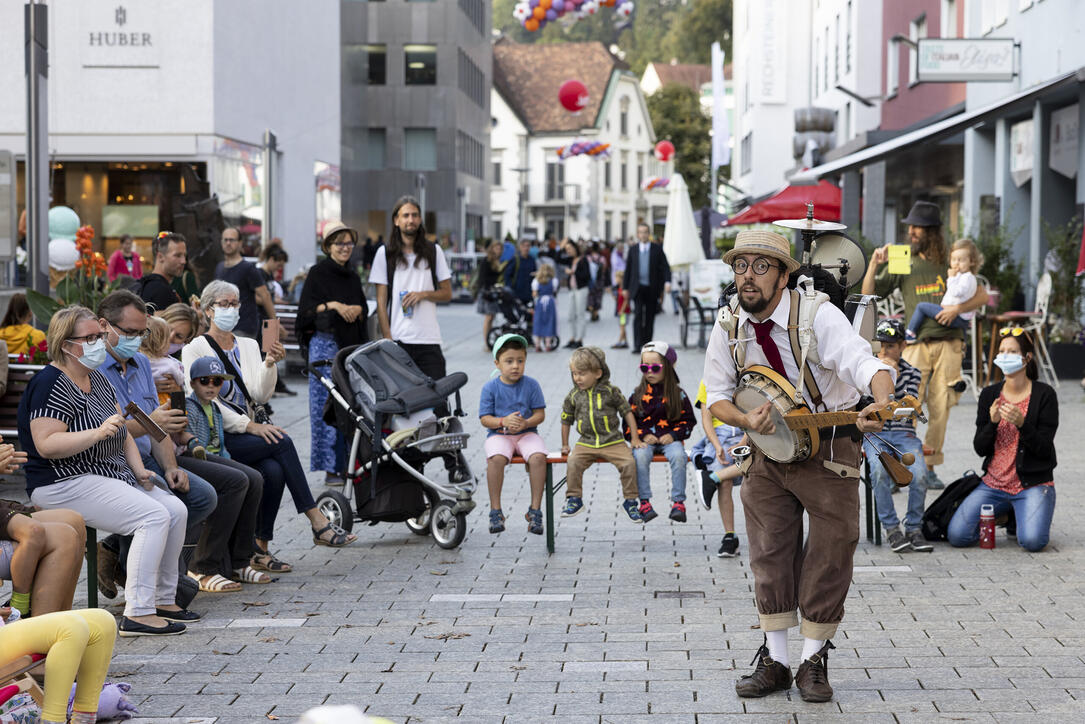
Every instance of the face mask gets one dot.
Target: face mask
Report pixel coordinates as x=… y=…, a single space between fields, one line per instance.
x=94 y=354
x=175 y=347
x=1009 y=362
x=226 y=319
x=126 y=346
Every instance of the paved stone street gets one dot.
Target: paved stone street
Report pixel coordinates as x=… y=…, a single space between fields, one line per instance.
x=625 y=621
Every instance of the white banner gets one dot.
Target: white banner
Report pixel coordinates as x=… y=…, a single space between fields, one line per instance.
x=954 y=60
x=721 y=127
x=1021 y=152
x=1064 y=141
x=769 y=70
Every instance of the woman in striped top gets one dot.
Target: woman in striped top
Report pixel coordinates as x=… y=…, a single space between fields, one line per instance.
x=80 y=456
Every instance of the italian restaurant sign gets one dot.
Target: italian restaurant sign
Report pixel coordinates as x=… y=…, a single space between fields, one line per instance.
x=957 y=60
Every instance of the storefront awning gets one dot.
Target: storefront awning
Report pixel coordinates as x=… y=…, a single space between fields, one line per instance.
x=936 y=131
x=790 y=203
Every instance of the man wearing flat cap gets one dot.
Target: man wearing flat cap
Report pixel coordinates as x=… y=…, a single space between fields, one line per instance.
x=790 y=578
x=940 y=348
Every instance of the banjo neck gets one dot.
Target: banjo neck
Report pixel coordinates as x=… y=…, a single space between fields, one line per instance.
x=801 y=419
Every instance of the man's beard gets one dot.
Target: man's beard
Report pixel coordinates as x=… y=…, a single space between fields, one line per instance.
x=755 y=307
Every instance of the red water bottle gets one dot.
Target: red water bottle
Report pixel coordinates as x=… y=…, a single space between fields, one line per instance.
x=987 y=526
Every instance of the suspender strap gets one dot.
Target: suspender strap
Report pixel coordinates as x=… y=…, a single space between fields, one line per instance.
x=806 y=377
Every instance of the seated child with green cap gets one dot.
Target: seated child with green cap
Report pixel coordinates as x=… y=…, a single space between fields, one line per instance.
x=511 y=408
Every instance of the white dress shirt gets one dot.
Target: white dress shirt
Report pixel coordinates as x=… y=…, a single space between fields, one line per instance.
x=846 y=368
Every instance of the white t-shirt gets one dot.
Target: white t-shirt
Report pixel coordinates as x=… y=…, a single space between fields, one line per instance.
x=421 y=327
x=959 y=289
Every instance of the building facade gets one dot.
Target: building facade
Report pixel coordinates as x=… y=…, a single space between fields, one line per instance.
x=156 y=109
x=416 y=79
x=590 y=197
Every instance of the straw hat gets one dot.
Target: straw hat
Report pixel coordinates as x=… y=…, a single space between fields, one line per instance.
x=763 y=243
x=334 y=228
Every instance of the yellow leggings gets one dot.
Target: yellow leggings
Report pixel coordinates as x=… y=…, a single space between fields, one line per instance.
x=78 y=646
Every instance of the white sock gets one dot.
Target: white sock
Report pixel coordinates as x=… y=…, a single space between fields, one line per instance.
x=777 y=641
x=811 y=647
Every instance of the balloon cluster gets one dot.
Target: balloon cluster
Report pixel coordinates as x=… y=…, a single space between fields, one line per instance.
x=655 y=182
x=584 y=148
x=535 y=14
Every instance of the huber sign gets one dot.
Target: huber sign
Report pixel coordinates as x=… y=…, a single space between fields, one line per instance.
x=957 y=60
x=115 y=35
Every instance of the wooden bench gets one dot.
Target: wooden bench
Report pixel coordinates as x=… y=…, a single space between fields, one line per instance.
x=288 y=318
x=552 y=487
x=695 y=315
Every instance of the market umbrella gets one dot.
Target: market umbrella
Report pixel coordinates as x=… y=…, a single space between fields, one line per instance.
x=681 y=237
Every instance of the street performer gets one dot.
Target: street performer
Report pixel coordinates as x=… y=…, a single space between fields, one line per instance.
x=788 y=575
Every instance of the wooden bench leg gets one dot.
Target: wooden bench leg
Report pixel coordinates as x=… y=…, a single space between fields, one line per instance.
x=92 y=567
x=549 y=509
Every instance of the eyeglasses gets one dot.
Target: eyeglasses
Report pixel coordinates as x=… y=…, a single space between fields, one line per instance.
x=653 y=368
x=142 y=334
x=760 y=265
x=1015 y=331
x=212 y=381
x=343 y=244
x=88 y=338
x=227 y=305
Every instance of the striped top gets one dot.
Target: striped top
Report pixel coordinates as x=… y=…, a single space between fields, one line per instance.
x=908 y=379
x=51 y=393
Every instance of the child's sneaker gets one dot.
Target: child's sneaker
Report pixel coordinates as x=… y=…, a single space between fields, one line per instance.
x=707 y=489
x=630 y=507
x=678 y=512
x=497 y=521
x=909 y=337
x=533 y=516
x=729 y=546
x=573 y=505
x=647 y=512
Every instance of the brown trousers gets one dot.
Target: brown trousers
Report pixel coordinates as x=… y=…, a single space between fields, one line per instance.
x=581 y=458
x=939 y=361
x=788 y=575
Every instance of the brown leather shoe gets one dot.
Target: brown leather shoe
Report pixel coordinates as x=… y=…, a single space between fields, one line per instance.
x=769 y=676
x=813 y=676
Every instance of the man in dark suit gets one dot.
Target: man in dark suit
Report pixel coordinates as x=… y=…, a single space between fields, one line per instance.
x=647 y=273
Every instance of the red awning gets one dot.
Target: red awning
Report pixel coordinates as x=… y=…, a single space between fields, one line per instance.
x=790 y=203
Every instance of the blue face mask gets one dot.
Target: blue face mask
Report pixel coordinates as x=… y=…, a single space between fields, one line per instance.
x=226 y=319
x=126 y=346
x=94 y=354
x=1009 y=362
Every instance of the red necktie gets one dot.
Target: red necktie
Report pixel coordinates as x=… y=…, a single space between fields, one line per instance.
x=763 y=331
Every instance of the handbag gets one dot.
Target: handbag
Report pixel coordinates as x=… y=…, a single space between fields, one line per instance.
x=260 y=414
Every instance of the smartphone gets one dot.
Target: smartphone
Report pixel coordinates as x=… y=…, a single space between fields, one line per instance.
x=270 y=335
x=177 y=400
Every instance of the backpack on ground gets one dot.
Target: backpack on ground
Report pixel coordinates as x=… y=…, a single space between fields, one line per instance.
x=938 y=514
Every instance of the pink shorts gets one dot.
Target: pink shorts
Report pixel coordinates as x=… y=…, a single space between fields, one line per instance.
x=526 y=443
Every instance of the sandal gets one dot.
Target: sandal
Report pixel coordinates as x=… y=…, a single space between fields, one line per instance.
x=248 y=574
x=264 y=561
x=215 y=583
x=338 y=539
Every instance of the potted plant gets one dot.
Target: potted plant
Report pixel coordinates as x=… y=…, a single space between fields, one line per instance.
x=1064 y=329
x=85 y=285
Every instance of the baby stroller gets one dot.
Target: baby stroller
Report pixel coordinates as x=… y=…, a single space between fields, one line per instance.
x=517 y=316
x=384 y=405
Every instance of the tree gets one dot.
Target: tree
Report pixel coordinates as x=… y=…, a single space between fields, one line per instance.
x=677 y=116
x=704 y=22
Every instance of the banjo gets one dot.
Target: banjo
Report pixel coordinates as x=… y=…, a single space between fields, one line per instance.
x=795 y=437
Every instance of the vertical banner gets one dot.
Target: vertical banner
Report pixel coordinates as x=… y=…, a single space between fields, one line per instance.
x=721 y=127
x=1064 y=141
x=770 y=76
x=1021 y=152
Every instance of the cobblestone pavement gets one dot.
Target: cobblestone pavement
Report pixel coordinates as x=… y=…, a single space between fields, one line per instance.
x=625 y=621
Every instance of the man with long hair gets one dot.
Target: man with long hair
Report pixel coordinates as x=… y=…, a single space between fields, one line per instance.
x=412 y=276
x=939 y=348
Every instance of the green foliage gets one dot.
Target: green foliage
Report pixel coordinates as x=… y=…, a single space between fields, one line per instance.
x=703 y=23
x=1064 y=242
x=1001 y=270
x=677 y=116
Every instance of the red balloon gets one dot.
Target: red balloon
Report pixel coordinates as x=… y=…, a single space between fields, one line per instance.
x=664 y=150
x=573 y=95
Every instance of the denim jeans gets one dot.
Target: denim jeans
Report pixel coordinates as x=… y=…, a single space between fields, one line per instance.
x=1033 y=507
x=882 y=484
x=930 y=310
x=676 y=456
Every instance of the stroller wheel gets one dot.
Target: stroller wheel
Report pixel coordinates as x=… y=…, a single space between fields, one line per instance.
x=555 y=343
x=448 y=528
x=336 y=509
x=491 y=338
x=420 y=525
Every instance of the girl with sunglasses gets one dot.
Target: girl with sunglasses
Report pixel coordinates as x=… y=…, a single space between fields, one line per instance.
x=664 y=418
x=1016 y=420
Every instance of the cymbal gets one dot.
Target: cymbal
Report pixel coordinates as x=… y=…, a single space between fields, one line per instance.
x=810 y=224
x=831 y=247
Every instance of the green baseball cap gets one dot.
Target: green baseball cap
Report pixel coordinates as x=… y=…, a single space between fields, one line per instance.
x=507 y=338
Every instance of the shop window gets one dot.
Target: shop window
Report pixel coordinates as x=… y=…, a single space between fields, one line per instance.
x=421 y=64
x=420 y=149
x=376 y=143
x=365 y=64
x=916 y=29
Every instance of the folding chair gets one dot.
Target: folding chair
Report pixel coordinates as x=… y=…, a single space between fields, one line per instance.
x=15 y=678
x=975 y=343
x=1035 y=323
